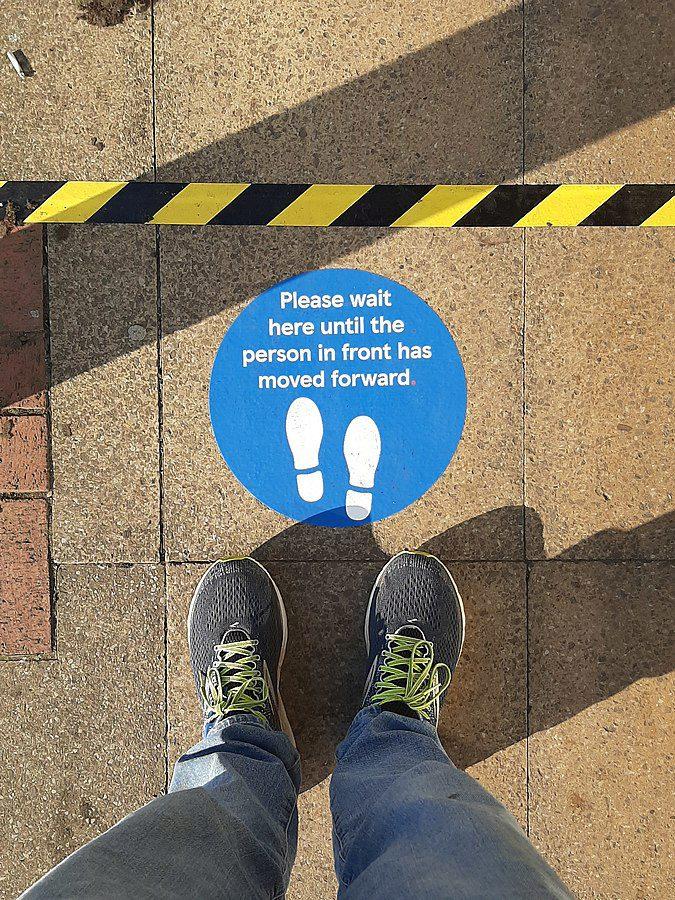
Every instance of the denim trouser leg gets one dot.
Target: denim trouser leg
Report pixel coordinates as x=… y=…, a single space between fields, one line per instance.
x=408 y=824
x=227 y=828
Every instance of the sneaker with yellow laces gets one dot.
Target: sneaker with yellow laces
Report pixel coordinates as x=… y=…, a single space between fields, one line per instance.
x=237 y=635
x=414 y=634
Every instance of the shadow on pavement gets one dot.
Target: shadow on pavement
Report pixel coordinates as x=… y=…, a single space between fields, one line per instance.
x=325 y=663
x=450 y=112
x=453 y=110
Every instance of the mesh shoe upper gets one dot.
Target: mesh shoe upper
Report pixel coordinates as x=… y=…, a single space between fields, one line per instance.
x=236 y=598
x=414 y=589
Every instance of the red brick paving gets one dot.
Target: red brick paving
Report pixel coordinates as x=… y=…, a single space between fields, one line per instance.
x=23 y=455
x=25 y=622
x=25 y=605
x=23 y=371
x=21 y=277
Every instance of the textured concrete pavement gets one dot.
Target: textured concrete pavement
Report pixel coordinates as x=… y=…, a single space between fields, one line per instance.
x=556 y=514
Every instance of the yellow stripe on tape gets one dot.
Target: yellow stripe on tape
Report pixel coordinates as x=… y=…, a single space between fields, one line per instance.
x=321 y=204
x=444 y=205
x=664 y=216
x=197 y=204
x=76 y=201
x=568 y=204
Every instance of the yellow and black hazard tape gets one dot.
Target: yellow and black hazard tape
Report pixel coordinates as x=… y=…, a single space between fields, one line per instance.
x=349 y=205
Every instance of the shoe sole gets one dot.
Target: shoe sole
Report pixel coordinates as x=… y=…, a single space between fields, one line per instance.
x=379 y=579
x=281 y=709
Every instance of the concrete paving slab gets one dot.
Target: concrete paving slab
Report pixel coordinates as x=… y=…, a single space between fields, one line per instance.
x=473 y=280
x=82 y=737
x=104 y=396
x=601 y=750
x=319 y=702
x=598 y=99
x=183 y=714
x=599 y=360
x=410 y=91
x=313 y=876
x=102 y=74
x=483 y=724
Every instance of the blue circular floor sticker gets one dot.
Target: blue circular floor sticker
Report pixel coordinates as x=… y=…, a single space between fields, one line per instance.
x=337 y=397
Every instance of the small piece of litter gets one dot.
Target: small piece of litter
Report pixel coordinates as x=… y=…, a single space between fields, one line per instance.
x=15 y=64
x=20 y=64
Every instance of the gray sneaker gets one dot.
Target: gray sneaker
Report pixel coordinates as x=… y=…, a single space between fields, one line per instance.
x=414 y=633
x=237 y=635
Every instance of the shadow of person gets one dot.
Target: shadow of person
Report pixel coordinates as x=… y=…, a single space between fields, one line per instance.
x=452 y=110
x=448 y=112
x=486 y=708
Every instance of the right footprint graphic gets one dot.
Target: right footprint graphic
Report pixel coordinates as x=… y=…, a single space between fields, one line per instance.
x=361 y=448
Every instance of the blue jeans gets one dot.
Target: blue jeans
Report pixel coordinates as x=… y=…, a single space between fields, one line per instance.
x=407 y=824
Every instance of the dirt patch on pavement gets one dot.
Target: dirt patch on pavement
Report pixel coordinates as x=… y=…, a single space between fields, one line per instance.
x=8 y=221
x=106 y=13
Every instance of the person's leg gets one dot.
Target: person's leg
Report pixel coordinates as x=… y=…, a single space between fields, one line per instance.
x=406 y=822
x=228 y=826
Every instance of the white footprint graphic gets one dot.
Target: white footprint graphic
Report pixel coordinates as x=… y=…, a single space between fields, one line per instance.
x=362 y=447
x=304 y=432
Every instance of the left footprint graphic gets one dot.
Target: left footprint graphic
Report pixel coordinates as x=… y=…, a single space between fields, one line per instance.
x=304 y=432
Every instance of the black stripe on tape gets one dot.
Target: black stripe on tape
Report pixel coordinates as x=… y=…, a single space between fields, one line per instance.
x=382 y=205
x=136 y=202
x=259 y=204
x=506 y=204
x=25 y=196
x=631 y=205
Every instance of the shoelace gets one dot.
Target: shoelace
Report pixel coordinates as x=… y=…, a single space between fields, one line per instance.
x=408 y=674
x=233 y=683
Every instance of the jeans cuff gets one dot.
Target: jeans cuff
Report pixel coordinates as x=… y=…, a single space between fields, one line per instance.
x=369 y=713
x=236 y=719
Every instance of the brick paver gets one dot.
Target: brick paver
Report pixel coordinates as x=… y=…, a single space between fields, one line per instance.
x=23 y=455
x=25 y=603
x=23 y=372
x=25 y=626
